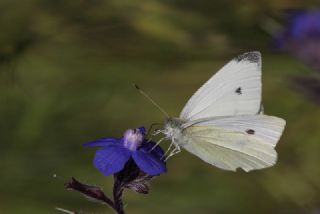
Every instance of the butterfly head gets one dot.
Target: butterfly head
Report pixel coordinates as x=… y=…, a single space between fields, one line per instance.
x=173 y=128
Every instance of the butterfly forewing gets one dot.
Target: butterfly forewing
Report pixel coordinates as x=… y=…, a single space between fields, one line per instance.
x=234 y=90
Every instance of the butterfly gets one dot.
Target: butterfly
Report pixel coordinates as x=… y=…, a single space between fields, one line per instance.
x=223 y=123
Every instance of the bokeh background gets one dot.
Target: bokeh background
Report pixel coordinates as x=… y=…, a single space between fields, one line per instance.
x=66 y=75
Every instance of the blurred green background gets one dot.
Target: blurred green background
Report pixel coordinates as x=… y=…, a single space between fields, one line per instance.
x=66 y=74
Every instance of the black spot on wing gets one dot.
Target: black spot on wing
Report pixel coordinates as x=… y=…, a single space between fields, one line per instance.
x=253 y=57
x=239 y=91
x=250 y=131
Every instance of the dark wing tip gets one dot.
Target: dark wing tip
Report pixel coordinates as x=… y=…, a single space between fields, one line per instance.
x=252 y=57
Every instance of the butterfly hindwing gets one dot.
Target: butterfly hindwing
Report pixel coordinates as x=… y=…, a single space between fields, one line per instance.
x=267 y=128
x=235 y=142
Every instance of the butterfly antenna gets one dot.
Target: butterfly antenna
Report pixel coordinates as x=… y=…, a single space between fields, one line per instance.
x=64 y=210
x=151 y=100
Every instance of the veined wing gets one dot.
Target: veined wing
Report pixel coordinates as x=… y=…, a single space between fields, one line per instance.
x=234 y=90
x=249 y=146
x=267 y=128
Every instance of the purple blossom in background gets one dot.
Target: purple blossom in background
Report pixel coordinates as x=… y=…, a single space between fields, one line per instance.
x=301 y=36
x=115 y=153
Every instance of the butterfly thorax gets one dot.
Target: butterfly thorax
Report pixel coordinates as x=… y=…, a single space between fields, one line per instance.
x=173 y=130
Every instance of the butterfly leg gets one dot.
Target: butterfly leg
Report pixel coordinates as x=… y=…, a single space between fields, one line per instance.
x=170 y=155
x=157 y=144
x=175 y=151
x=166 y=151
x=178 y=150
x=155 y=133
x=151 y=126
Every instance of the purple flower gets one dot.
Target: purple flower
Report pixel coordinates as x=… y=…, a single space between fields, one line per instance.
x=301 y=36
x=302 y=25
x=115 y=153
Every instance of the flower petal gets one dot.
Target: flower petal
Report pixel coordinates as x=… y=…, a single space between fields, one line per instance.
x=111 y=159
x=142 y=130
x=149 y=162
x=147 y=146
x=103 y=142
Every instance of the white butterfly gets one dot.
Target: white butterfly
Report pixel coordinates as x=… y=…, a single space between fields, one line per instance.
x=222 y=122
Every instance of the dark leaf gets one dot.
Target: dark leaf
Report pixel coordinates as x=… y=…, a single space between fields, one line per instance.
x=138 y=187
x=92 y=192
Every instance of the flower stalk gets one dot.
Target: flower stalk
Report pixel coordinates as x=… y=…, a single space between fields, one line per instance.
x=131 y=177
